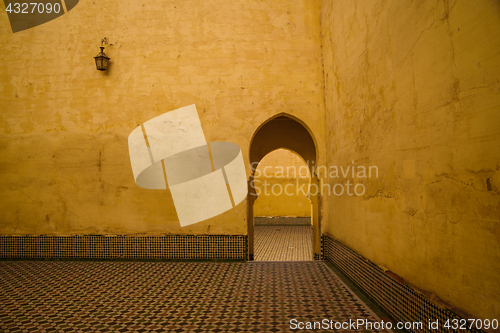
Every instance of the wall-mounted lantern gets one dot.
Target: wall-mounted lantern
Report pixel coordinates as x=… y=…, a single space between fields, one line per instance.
x=102 y=60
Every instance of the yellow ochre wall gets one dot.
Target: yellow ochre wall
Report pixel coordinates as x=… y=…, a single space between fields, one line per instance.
x=282 y=183
x=413 y=88
x=64 y=125
x=409 y=87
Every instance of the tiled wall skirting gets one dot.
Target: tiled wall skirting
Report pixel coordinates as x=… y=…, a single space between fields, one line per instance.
x=125 y=247
x=282 y=220
x=398 y=299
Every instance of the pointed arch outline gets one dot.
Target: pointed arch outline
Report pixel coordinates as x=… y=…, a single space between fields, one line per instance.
x=286 y=131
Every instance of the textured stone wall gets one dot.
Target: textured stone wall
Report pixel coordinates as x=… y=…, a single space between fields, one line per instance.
x=412 y=87
x=64 y=125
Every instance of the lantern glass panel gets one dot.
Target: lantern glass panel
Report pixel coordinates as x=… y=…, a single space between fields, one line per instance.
x=101 y=60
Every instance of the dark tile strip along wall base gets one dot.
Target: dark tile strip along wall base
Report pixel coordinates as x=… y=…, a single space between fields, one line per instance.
x=397 y=299
x=281 y=220
x=177 y=247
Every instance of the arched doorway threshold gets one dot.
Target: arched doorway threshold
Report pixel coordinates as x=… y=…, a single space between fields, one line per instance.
x=282 y=210
x=283 y=131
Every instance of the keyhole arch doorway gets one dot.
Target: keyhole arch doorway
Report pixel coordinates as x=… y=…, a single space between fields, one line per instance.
x=283 y=209
x=286 y=132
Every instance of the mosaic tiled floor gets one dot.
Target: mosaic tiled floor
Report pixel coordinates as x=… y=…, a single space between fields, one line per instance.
x=90 y=296
x=283 y=243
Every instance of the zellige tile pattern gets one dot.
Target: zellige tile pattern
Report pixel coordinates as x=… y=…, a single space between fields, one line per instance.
x=398 y=299
x=92 y=296
x=182 y=247
x=283 y=243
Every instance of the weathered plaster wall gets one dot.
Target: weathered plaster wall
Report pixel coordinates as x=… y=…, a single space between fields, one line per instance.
x=282 y=183
x=413 y=88
x=64 y=125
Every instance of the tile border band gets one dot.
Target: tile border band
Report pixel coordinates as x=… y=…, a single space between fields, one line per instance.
x=398 y=299
x=175 y=247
